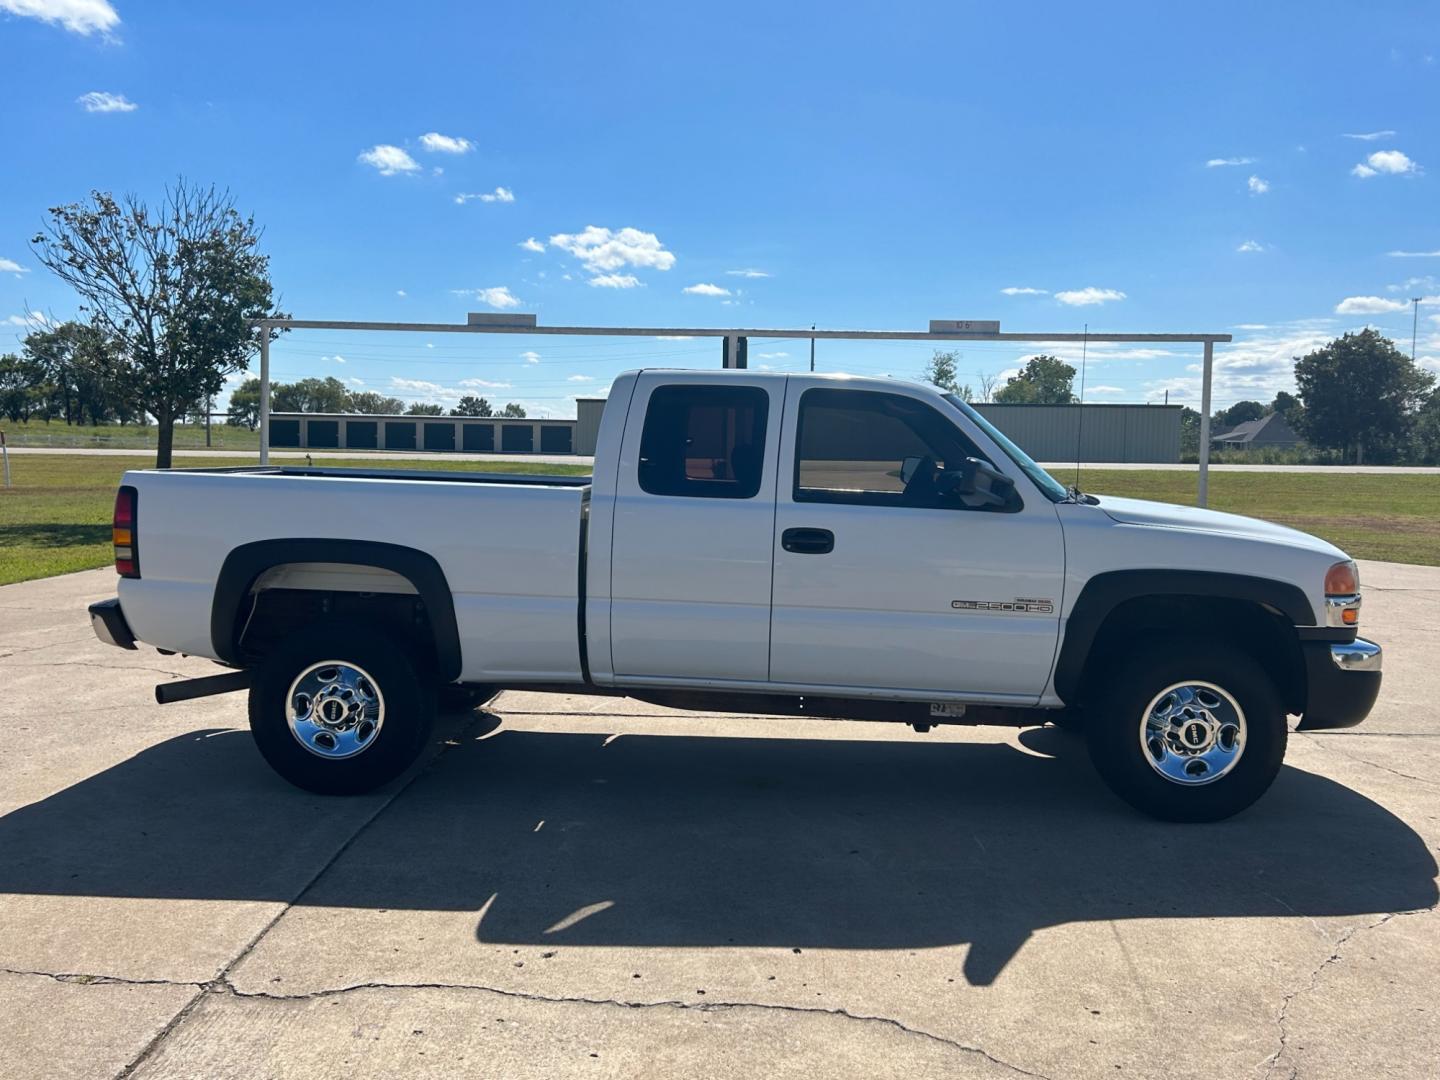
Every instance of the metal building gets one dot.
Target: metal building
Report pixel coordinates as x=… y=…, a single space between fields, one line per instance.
x=469 y=434
x=1091 y=433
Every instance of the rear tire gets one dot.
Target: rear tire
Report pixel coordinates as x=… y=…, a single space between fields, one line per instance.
x=340 y=710
x=1188 y=731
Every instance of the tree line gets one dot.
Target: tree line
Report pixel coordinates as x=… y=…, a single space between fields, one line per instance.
x=330 y=395
x=1357 y=399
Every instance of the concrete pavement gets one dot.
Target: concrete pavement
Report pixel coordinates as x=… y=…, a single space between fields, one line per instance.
x=598 y=887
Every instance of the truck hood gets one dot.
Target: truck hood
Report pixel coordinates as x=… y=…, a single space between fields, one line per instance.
x=1194 y=519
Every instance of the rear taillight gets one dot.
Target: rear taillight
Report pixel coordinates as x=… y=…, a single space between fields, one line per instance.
x=125 y=533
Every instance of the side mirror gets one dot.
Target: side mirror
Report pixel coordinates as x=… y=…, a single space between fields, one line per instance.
x=978 y=483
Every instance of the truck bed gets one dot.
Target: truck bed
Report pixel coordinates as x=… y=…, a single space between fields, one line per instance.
x=509 y=546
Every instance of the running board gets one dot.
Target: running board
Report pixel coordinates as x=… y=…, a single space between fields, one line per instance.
x=185 y=689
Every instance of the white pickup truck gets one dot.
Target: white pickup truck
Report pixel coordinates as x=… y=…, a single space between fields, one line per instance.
x=791 y=545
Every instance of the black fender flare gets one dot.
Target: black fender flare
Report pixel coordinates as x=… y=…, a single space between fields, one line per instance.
x=247 y=562
x=1103 y=593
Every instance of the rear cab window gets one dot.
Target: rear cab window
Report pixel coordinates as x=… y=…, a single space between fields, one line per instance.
x=704 y=442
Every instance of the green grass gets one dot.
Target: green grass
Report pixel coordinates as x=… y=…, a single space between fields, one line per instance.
x=58 y=435
x=56 y=519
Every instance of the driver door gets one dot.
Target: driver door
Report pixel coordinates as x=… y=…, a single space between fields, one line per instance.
x=883 y=580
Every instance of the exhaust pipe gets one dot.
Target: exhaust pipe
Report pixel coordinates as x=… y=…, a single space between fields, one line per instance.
x=185 y=689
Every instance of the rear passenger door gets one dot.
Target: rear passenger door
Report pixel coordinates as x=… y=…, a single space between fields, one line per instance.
x=694 y=523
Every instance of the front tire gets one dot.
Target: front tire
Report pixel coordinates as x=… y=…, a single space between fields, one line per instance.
x=1188 y=731
x=340 y=710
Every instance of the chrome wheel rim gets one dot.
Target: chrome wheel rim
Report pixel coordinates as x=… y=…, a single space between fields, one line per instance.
x=335 y=709
x=1193 y=733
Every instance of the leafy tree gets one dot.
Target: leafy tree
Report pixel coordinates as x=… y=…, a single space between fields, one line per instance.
x=514 y=410
x=421 y=408
x=244 y=407
x=76 y=367
x=173 y=288
x=941 y=371
x=1189 y=431
x=1360 y=394
x=1240 y=413
x=327 y=395
x=472 y=406
x=19 y=396
x=1426 y=446
x=1289 y=407
x=1044 y=380
x=368 y=401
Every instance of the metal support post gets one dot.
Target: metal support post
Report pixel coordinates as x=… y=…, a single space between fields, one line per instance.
x=1204 y=495
x=264 y=395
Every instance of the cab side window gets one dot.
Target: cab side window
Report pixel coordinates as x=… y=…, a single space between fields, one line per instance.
x=875 y=449
x=704 y=441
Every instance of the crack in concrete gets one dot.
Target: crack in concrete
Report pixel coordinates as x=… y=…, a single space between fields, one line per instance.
x=109 y=667
x=77 y=978
x=1334 y=957
x=1366 y=761
x=221 y=982
x=668 y=1003
x=40 y=648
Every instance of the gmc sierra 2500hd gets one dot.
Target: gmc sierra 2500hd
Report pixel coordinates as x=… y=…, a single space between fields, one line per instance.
x=793 y=545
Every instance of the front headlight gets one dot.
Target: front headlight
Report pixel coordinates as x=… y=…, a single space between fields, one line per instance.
x=1342 y=594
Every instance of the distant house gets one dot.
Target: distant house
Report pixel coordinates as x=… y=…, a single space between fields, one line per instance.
x=1268 y=431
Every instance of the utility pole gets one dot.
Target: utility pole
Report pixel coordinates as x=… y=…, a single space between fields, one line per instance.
x=812 y=349
x=1414 y=326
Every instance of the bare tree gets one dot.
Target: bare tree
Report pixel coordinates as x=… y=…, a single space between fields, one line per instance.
x=174 y=289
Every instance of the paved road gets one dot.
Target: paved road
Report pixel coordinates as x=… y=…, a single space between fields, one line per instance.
x=1057 y=467
x=575 y=886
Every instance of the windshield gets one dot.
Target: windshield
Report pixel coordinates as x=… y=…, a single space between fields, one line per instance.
x=1048 y=485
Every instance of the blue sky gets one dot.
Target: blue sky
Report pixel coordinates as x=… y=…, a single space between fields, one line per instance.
x=1136 y=167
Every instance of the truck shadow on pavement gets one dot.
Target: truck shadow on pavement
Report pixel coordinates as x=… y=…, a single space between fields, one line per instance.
x=697 y=841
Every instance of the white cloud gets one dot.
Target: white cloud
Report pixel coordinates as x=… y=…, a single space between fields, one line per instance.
x=102 y=101
x=1368 y=136
x=614 y=281
x=704 y=288
x=77 y=16
x=580 y=378
x=772 y=355
x=1105 y=390
x=10 y=266
x=1088 y=296
x=1413 y=285
x=1389 y=162
x=1023 y=290
x=485 y=384
x=603 y=250
x=1414 y=254
x=1251 y=245
x=445 y=144
x=500 y=194
x=748 y=273
x=530 y=356
x=674 y=337
x=337 y=358
x=1257 y=186
x=31 y=320
x=354 y=382
x=389 y=160
x=1368 y=305
x=1219 y=162
x=1252 y=326
x=531 y=244
x=1254 y=368
x=401 y=292
x=497 y=297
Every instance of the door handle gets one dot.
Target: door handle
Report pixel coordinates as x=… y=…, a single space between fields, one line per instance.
x=808 y=541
